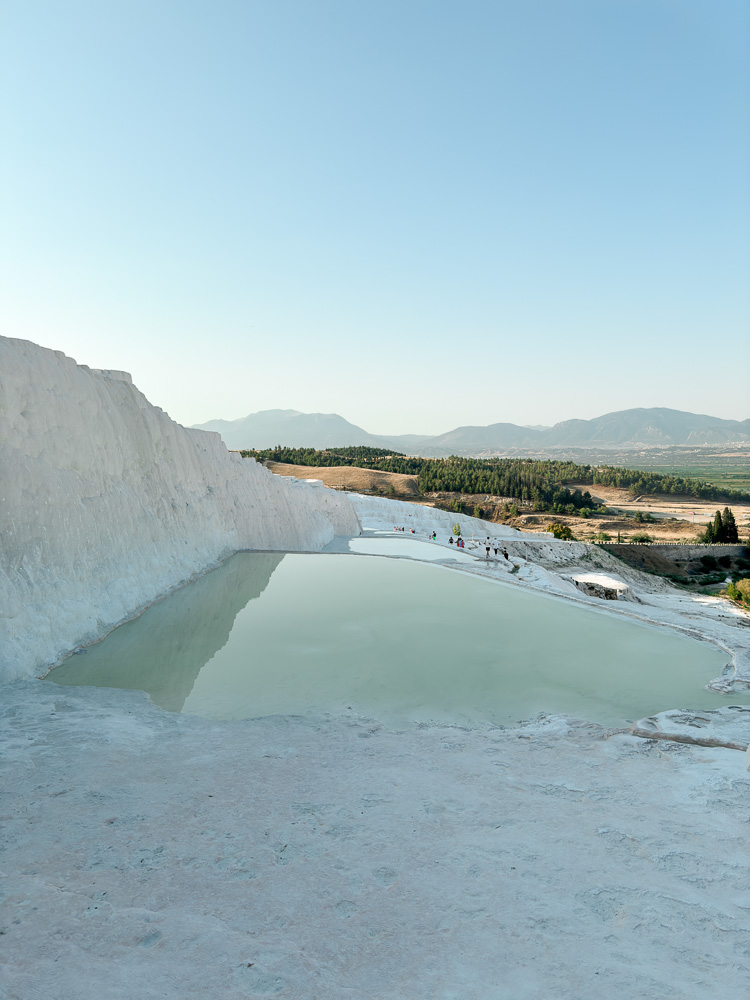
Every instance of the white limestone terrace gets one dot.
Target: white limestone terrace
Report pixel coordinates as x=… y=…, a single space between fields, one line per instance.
x=154 y=855
x=542 y=563
x=106 y=504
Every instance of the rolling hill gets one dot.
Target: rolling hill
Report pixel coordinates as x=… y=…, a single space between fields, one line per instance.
x=656 y=427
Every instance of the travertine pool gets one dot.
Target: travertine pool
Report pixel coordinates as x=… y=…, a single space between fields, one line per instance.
x=392 y=639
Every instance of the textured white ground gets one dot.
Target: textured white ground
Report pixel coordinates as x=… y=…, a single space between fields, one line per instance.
x=147 y=854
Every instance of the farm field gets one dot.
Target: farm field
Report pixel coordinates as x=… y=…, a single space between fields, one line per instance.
x=728 y=470
x=735 y=476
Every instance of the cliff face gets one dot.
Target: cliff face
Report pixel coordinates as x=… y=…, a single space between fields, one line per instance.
x=106 y=504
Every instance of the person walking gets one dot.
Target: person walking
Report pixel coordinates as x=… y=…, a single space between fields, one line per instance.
x=487 y=547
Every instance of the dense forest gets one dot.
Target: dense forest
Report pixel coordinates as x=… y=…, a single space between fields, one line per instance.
x=542 y=484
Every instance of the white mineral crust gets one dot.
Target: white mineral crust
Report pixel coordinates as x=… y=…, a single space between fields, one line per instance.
x=153 y=855
x=106 y=504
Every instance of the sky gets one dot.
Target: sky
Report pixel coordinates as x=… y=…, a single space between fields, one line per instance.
x=418 y=214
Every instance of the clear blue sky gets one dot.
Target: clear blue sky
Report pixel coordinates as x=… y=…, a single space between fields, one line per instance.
x=416 y=214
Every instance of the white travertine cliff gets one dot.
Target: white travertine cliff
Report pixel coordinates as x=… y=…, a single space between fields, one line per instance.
x=106 y=504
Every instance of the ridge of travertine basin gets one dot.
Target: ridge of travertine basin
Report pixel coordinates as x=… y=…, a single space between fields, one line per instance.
x=722 y=727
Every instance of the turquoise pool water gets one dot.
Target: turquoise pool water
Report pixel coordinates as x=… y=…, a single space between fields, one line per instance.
x=395 y=640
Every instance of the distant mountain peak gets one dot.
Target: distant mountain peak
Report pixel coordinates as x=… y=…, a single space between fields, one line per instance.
x=267 y=428
x=640 y=427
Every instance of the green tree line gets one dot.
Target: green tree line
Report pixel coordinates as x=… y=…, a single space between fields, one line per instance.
x=359 y=456
x=541 y=484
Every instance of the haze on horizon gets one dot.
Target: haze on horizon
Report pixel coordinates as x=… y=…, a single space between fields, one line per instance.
x=417 y=215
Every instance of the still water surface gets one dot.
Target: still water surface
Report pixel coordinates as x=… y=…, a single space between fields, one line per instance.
x=395 y=640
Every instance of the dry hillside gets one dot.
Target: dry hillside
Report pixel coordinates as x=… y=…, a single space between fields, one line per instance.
x=347 y=477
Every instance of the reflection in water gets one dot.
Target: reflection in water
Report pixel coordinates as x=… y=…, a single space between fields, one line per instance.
x=394 y=640
x=163 y=650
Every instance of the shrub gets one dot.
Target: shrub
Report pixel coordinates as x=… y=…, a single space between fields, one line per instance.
x=561 y=531
x=642 y=539
x=456 y=529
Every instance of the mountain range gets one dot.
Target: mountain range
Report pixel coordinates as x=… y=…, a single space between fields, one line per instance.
x=656 y=427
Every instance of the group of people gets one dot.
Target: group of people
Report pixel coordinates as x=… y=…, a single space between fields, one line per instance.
x=490 y=544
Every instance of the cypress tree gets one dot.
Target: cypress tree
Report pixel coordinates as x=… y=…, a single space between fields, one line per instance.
x=718 y=528
x=730 y=527
x=708 y=534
